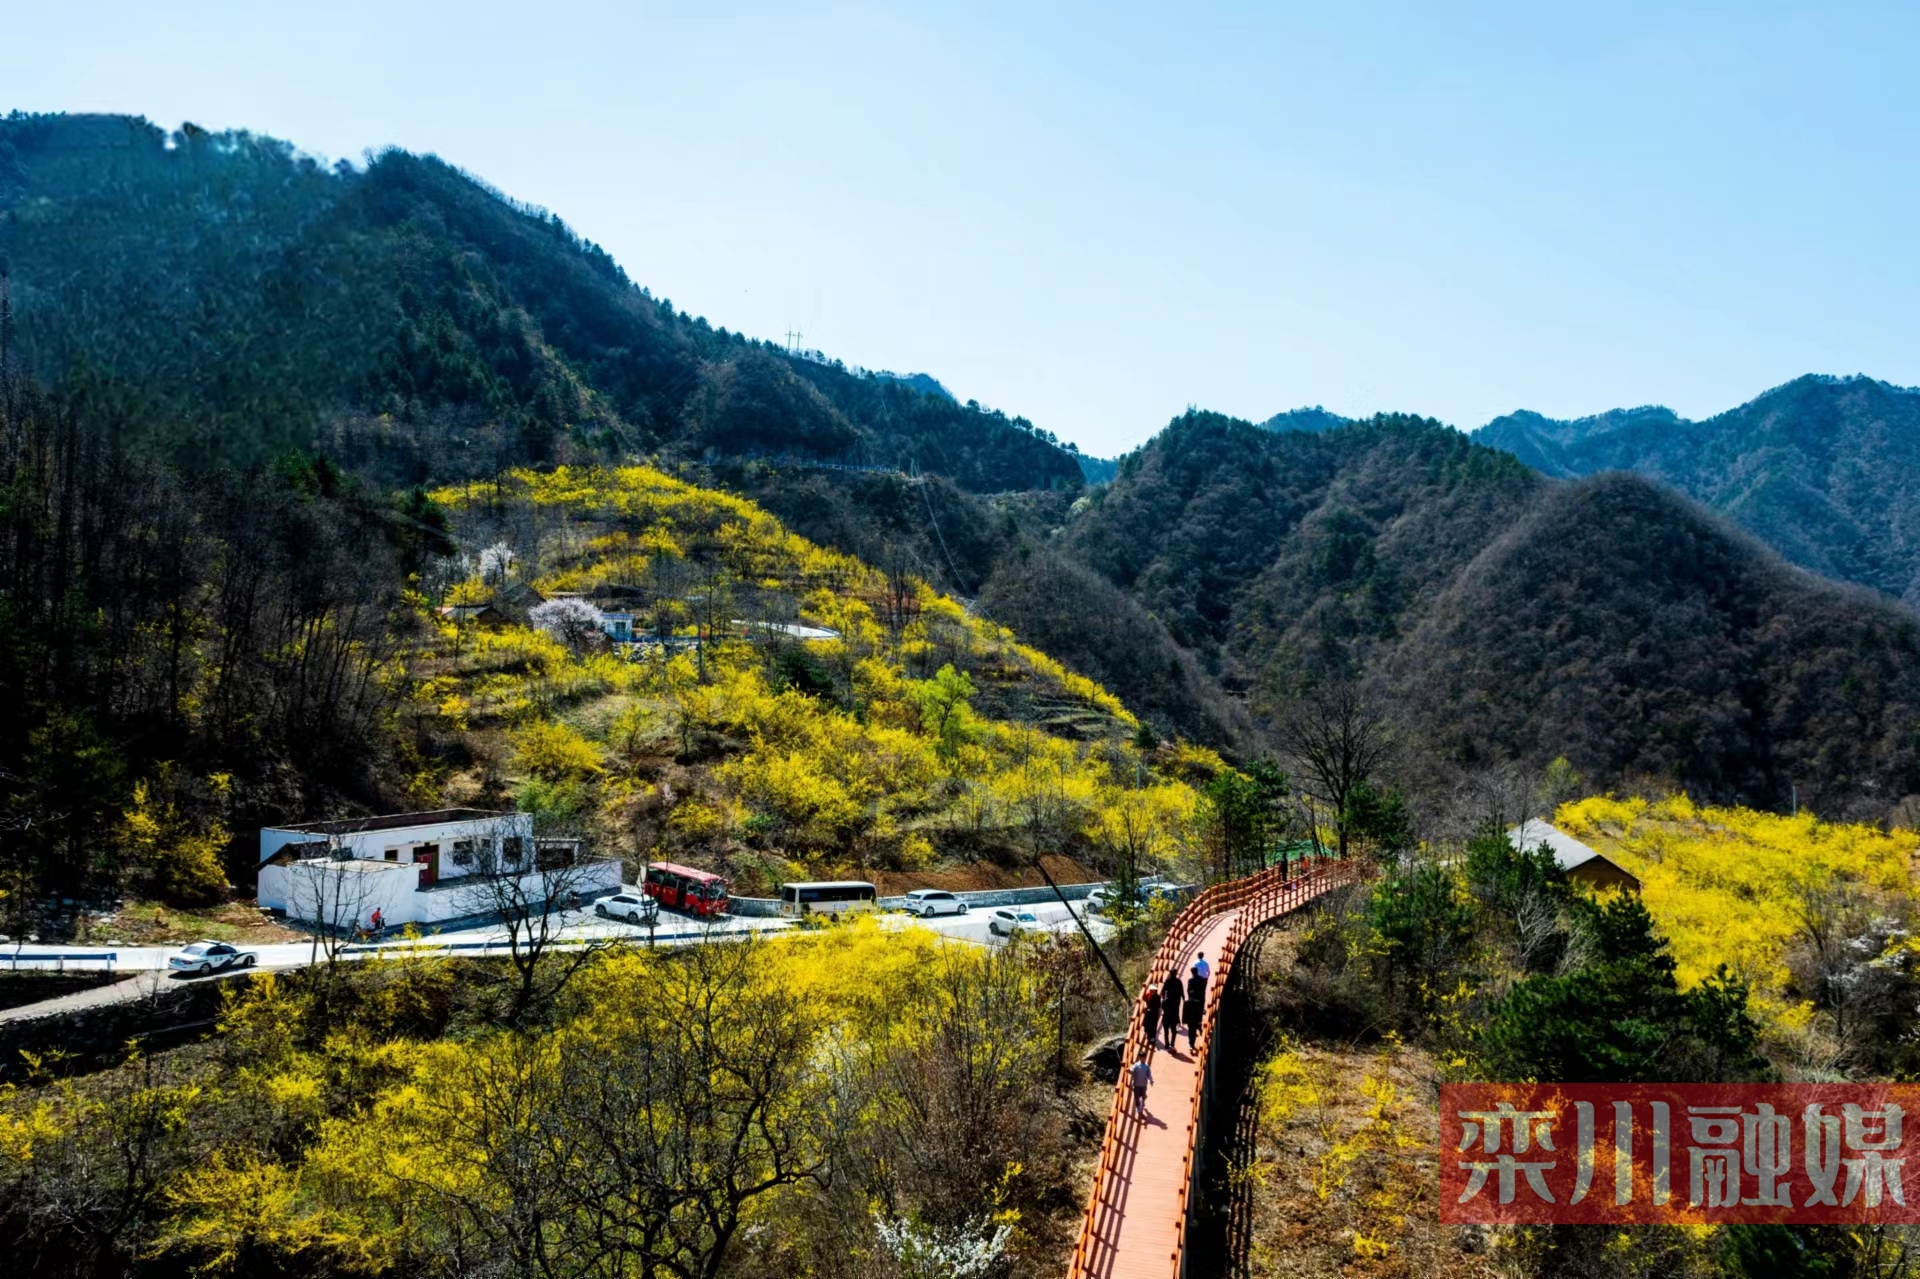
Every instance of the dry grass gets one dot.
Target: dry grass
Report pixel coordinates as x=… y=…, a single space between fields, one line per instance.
x=141 y=923
x=981 y=876
x=1347 y=1174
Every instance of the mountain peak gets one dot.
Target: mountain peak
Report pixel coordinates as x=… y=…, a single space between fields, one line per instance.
x=925 y=383
x=1315 y=420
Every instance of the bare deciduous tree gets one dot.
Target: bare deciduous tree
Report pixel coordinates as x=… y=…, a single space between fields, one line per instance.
x=528 y=884
x=334 y=895
x=1334 y=737
x=715 y=1097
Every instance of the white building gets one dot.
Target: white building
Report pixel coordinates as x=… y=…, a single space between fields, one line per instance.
x=417 y=868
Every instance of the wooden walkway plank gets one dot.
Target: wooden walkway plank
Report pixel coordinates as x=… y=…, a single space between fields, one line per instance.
x=1135 y=1225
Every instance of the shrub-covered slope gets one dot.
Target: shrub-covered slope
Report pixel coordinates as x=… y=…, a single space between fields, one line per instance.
x=1620 y=626
x=798 y=712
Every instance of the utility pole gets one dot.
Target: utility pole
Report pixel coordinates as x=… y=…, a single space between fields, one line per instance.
x=793 y=341
x=1086 y=932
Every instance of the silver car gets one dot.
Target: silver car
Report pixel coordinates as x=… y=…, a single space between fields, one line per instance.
x=211 y=957
x=928 y=902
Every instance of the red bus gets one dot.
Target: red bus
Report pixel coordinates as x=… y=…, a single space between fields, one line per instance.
x=698 y=892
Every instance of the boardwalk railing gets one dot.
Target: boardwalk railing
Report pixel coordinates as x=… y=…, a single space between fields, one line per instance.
x=1258 y=899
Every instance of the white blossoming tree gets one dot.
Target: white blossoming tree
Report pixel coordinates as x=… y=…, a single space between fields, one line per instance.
x=926 y=1252
x=573 y=622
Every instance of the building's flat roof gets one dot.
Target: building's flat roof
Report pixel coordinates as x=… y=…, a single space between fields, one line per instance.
x=359 y=865
x=393 y=821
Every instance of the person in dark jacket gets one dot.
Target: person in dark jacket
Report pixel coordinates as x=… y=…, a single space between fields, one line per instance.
x=1170 y=1008
x=1196 y=1005
x=1150 y=1020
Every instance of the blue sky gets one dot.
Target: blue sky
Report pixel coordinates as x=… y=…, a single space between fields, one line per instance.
x=1095 y=215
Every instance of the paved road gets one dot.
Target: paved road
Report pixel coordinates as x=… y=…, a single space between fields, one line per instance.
x=577 y=927
x=144 y=984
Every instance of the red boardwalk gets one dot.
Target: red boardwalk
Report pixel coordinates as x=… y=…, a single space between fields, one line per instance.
x=1136 y=1221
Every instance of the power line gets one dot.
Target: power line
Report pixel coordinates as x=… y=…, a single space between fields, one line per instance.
x=933 y=520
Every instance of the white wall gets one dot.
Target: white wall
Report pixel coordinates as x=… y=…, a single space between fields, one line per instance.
x=319 y=892
x=308 y=889
x=272 y=889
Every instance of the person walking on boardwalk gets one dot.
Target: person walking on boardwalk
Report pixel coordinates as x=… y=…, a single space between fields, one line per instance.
x=1196 y=1005
x=1201 y=966
x=1142 y=1075
x=1150 y=1020
x=1170 y=1008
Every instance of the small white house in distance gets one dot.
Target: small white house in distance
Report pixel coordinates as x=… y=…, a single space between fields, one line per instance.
x=792 y=630
x=617 y=626
x=415 y=868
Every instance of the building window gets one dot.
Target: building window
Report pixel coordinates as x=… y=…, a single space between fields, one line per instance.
x=393 y=854
x=463 y=852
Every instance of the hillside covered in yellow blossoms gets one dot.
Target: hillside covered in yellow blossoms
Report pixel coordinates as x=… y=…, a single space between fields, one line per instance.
x=783 y=710
x=1814 y=916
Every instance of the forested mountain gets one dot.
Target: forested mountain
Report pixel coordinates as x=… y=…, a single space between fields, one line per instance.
x=1313 y=419
x=925 y=383
x=237 y=300
x=342 y=339
x=187 y=658
x=1505 y=615
x=1822 y=469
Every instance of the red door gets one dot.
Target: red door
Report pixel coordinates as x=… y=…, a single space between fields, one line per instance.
x=427 y=858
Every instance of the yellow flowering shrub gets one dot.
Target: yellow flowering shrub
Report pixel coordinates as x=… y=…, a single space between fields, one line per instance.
x=1727 y=885
x=918 y=741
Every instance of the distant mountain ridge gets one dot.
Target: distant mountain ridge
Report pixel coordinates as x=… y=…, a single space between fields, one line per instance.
x=239 y=300
x=1824 y=469
x=1511 y=616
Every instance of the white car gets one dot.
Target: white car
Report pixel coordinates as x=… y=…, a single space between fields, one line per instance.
x=1009 y=920
x=633 y=907
x=1103 y=899
x=928 y=902
x=211 y=957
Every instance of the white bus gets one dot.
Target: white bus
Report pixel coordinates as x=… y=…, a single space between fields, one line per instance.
x=828 y=897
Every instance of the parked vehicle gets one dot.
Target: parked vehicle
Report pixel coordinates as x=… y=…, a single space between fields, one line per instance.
x=211 y=957
x=635 y=908
x=1009 y=920
x=1102 y=900
x=698 y=892
x=928 y=902
x=826 y=897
